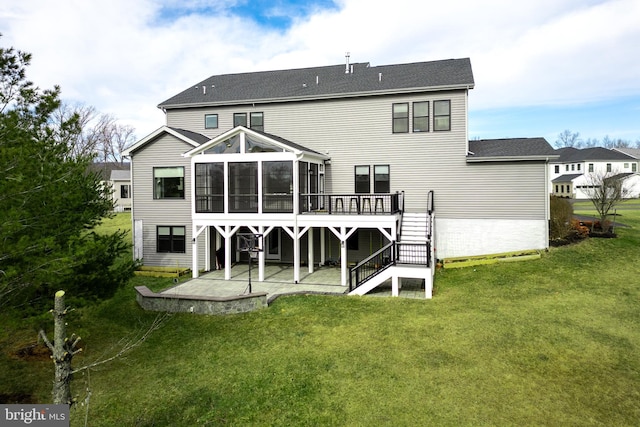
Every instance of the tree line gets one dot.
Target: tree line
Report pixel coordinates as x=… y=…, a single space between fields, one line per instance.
x=568 y=138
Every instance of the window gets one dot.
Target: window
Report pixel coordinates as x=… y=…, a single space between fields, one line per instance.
x=401 y=118
x=441 y=115
x=277 y=186
x=168 y=183
x=573 y=167
x=381 y=179
x=243 y=187
x=240 y=119
x=363 y=182
x=210 y=121
x=125 y=190
x=171 y=239
x=257 y=121
x=634 y=167
x=557 y=168
x=626 y=165
x=566 y=167
x=557 y=188
x=590 y=167
x=210 y=187
x=608 y=167
x=579 y=166
x=421 y=116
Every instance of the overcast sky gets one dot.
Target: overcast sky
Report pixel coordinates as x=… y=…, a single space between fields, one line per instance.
x=540 y=66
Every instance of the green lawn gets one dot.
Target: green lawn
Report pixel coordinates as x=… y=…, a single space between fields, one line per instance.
x=554 y=341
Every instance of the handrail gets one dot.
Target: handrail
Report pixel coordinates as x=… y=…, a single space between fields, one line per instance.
x=375 y=263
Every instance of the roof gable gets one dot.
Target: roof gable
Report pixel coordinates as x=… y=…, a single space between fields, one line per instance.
x=571 y=154
x=229 y=143
x=324 y=82
x=192 y=138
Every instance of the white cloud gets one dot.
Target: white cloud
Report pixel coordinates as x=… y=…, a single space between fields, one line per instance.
x=125 y=57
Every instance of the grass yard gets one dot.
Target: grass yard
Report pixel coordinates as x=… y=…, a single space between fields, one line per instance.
x=555 y=341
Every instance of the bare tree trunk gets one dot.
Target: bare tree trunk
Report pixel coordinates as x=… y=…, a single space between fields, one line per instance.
x=63 y=349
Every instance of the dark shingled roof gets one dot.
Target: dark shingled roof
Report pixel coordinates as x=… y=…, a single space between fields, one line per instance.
x=194 y=136
x=510 y=149
x=324 y=82
x=571 y=154
x=566 y=178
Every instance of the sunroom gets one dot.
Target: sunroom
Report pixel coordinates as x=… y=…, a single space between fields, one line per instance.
x=250 y=181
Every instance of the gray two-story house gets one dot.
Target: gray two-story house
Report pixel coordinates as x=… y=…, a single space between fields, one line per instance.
x=369 y=168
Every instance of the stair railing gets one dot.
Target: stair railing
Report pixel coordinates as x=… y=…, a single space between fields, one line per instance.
x=374 y=264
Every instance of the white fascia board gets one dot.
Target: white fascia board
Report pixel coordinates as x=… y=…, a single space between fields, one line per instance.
x=153 y=135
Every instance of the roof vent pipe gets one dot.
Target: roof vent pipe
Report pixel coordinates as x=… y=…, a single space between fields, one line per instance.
x=204 y=90
x=347 y=55
x=379 y=77
x=317 y=79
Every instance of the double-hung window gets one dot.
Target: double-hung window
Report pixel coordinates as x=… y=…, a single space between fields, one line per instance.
x=381 y=179
x=421 y=116
x=362 y=179
x=171 y=238
x=257 y=121
x=125 y=191
x=240 y=119
x=168 y=182
x=401 y=117
x=210 y=121
x=441 y=115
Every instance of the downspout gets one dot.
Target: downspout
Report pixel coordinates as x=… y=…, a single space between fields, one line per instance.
x=547 y=203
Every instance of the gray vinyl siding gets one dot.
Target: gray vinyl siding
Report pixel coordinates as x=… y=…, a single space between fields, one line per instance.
x=358 y=131
x=164 y=151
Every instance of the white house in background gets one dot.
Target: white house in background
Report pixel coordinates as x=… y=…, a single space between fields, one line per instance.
x=118 y=176
x=121 y=186
x=573 y=171
x=369 y=167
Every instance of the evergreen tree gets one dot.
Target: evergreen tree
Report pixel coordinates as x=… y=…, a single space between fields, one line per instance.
x=49 y=199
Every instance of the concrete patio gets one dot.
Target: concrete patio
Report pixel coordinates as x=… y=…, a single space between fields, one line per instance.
x=279 y=281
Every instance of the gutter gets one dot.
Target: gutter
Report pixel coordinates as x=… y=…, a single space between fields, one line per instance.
x=165 y=107
x=545 y=158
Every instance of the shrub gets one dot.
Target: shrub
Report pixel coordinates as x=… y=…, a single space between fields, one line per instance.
x=561 y=216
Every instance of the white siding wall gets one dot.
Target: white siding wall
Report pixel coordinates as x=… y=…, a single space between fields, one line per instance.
x=164 y=151
x=359 y=132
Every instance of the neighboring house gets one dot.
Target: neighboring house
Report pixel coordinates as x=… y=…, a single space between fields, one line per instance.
x=577 y=170
x=121 y=186
x=352 y=164
x=118 y=176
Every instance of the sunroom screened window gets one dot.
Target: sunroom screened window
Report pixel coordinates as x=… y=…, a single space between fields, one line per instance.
x=277 y=186
x=243 y=187
x=401 y=118
x=168 y=183
x=210 y=187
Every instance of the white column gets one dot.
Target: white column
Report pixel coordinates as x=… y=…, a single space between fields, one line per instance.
x=395 y=286
x=310 y=249
x=194 y=252
x=322 y=246
x=227 y=253
x=343 y=257
x=296 y=255
x=207 y=249
x=261 y=256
